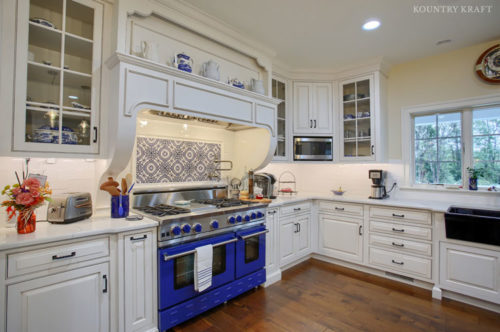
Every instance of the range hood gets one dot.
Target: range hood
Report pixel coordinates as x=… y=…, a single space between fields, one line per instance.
x=141 y=85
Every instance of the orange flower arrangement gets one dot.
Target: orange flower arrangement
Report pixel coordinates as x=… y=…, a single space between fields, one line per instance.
x=24 y=198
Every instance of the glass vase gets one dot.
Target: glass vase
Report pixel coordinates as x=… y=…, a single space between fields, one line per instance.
x=26 y=222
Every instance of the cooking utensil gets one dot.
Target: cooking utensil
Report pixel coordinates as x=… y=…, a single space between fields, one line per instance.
x=110 y=182
x=129 y=179
x=130 y=189
x=124 y=186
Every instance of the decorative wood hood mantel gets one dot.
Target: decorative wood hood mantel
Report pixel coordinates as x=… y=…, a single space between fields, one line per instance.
x=137 y=84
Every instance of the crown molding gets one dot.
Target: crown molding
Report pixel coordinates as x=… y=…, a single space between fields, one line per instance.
x=379 y=64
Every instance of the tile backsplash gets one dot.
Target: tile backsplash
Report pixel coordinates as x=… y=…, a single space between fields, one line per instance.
x=161 y=160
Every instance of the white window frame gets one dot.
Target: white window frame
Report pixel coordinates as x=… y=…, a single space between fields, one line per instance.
x=407 y=132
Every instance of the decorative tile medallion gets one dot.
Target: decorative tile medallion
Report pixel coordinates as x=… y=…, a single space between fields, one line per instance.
x=162 y=160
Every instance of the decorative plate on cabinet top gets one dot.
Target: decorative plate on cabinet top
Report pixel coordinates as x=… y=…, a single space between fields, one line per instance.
x=488 y=65
x=43 y=21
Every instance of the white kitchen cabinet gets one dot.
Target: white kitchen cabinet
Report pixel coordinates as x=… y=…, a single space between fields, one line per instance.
x=362 y=118
x=313 y=108
x=77 y=300
x=294 y=238
x=280 y=91
x=470 y=271
x=57 y=76
x=139 y=282
x=341 y=237
x=271 y=240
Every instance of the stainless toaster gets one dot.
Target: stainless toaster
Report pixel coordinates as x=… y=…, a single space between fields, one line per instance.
x=69 y=207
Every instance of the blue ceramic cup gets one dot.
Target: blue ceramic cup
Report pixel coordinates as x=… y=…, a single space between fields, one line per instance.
x=119 y=206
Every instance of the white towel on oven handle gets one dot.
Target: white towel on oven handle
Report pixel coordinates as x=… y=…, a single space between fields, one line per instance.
x=203 y=267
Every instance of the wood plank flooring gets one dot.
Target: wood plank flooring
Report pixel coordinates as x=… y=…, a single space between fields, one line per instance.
x=317 y=296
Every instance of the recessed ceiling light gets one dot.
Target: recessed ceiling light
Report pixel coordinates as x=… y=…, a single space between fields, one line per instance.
x=371 y=25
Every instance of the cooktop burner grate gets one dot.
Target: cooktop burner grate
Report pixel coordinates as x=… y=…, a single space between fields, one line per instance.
x=161 y=210
x=223 y=202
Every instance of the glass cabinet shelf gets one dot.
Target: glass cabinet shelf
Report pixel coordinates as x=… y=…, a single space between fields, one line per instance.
x=279 y=92
x=357 y=118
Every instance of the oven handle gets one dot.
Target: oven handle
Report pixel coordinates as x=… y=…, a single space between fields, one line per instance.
x=189 y=252
x=244 y=237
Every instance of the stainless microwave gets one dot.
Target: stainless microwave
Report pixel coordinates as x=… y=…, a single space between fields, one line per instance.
x=312 y=148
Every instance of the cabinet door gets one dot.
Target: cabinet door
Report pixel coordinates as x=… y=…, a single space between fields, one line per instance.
x=138 y=268
x=287 y=231
x=270 y=241
x=58 y=81
x=470 y=271
x=303 y=237
x=341 y=237
x=302 y=108
x=322 y=109
x=75 y=301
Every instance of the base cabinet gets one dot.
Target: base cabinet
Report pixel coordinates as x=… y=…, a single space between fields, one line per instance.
x=294 y=238
x=75 y=301
x=271 y=220
x=470 y=271
x=139 y=281
x=341 y=237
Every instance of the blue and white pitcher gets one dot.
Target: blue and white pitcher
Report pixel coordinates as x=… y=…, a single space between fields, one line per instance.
x=183 y=62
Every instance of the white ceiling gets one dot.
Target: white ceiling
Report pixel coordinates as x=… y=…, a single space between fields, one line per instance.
x=327 y=34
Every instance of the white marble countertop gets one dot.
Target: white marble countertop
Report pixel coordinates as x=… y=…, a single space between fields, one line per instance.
x=435 y=206
x=46 y=232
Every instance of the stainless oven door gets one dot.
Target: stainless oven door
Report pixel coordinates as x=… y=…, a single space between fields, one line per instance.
x=312 y=148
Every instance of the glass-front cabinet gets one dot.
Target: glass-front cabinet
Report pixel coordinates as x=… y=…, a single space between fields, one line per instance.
x=279 y=92
x=357 y=119
x=58 y=58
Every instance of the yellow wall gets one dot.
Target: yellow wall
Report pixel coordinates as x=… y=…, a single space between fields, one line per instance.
x=443 y=77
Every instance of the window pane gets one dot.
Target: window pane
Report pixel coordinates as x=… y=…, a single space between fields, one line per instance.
x=425 y=172
x=450 y=173
x=450 y=149
x=425 y=126
x=486 y=121
x=449 y=125
x=486 y=148
x=491 y=174
x=426 y=150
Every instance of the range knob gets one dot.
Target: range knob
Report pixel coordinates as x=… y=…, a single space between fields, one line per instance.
x=253 y=215
x=238 y=218
x=231 y=220
x=197 y=228
x=214 y=224
x=175 y=230
x=260 y=214
x=186 y=228
x=247 y=218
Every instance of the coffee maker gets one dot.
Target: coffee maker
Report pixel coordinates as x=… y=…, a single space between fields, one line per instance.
x=265 y=181
x=378 y=188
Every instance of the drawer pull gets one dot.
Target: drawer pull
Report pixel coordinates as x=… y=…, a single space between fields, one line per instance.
x=55 y=257
x=398 y=230
x=398 y=263
x=398 y=215
x=398 y=245
x=360 y=231
x=297 y=209
x=339 y=209
x=105 y=277
x=145 y=236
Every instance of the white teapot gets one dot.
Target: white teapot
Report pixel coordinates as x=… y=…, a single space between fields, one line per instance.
x=257 y=86
x=210 y=69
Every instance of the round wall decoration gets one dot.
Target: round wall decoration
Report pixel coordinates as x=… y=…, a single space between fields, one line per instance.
x=488 y=65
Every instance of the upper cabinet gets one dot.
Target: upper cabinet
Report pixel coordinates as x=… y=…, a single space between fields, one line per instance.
x=361 y=119
x=312 y=109
x=279 y=90
x=57 y=81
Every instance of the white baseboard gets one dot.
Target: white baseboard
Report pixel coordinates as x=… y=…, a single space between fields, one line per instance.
x=292 y=264
x=472 y=301
x=272 y=277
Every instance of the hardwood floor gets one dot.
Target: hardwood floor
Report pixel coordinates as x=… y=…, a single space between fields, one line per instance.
x=317 y=296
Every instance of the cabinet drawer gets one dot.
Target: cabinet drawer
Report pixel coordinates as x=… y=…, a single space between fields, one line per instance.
x=401 y=230
x=46 y=258
x=341 y=208
x=417 y=266
x=415 y=216
x=295 y=208
x=401 y=245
